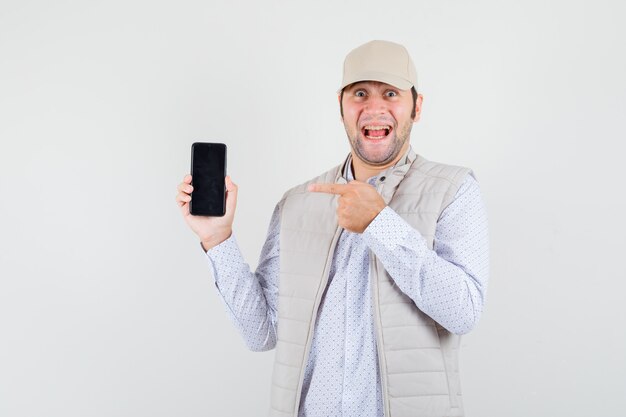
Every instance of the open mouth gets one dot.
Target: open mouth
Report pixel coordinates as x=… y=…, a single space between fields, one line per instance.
x=376 y=132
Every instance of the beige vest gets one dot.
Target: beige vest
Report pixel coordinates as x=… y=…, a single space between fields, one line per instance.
x=418 y=358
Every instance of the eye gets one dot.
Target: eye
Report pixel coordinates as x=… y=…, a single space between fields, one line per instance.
x=391 y=93
x=359 y=93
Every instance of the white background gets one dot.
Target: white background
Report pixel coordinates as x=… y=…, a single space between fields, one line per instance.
x=107 y=306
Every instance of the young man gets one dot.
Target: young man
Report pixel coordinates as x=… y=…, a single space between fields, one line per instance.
x=370 y=272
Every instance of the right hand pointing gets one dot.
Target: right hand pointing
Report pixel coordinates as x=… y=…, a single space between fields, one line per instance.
x=211 y=230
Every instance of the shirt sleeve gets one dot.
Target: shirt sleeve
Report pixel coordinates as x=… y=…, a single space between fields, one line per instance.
x=250 y=297
x=449 y=283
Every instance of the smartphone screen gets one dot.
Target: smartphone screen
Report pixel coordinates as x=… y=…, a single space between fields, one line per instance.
x=208 y=172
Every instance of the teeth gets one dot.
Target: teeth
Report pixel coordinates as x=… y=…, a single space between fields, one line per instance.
x=376 y=127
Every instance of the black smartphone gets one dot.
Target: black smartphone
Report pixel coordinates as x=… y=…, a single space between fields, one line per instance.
x=208 y=178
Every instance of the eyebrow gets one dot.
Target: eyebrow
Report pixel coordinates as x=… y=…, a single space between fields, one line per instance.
x=368 y=86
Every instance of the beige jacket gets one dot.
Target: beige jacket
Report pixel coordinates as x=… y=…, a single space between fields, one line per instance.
x=418 y=358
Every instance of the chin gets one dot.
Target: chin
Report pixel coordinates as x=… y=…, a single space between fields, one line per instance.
x=376 y=157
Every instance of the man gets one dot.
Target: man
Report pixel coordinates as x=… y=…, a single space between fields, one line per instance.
x=370 y=272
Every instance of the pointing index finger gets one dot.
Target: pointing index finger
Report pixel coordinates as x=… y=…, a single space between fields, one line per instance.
x=339 y=189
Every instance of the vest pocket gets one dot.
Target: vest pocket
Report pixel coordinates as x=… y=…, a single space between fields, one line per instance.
x=446 y=340
x=452 y=385
x=454 y=402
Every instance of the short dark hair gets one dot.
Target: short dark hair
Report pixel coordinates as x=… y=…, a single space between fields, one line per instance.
x=413 y=93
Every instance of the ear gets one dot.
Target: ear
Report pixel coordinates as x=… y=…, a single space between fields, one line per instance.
x=339 y=101
x=418 y=108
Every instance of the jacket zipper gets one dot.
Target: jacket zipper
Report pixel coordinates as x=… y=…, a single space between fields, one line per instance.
x=379 y=335
x=318 y=299
x=378 y=325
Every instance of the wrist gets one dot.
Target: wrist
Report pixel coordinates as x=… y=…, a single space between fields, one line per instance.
x=215 y=240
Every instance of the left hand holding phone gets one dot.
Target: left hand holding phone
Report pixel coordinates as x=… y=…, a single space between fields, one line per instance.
x=211 y=230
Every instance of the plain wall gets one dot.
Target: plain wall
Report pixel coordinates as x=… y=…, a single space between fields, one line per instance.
x=107 y=304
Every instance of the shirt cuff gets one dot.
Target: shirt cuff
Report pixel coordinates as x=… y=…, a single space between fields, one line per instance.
x=224 y=257
x=221 y=247
x=387 y=231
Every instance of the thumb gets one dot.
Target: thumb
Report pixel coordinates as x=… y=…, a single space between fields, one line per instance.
x=231 y=195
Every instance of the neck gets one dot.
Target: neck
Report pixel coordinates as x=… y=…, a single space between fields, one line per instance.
x=362 y=170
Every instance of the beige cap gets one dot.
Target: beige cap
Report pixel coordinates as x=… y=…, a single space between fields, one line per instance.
x=382 y=61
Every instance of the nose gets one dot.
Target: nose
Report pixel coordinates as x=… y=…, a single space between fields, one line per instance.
x=375 y=105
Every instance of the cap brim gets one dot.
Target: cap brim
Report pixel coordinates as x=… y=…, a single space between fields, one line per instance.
x=398 y=82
